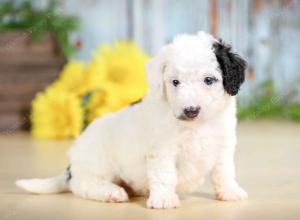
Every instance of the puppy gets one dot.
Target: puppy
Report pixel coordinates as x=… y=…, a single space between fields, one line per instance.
x=183 y=129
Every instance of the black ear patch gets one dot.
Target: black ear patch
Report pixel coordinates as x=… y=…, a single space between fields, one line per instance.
x=232 y=66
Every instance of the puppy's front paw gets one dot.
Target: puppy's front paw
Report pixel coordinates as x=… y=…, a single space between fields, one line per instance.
x=116 y=195
x=231 y=193
x=163 y=201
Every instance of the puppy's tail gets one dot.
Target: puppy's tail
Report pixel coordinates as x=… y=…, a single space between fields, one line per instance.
x=50 y=185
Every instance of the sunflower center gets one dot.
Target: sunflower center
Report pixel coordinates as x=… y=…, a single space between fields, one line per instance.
x=118 y=74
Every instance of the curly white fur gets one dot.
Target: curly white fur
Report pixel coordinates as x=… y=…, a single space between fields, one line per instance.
x=148 y=147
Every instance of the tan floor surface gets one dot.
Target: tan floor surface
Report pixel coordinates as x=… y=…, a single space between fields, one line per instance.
x=268 y=167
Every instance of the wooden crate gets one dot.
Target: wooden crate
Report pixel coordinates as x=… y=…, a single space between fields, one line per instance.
x=25 y=69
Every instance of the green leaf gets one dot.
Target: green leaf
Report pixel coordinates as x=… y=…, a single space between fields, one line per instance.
x=24 y=16
x=294 y=111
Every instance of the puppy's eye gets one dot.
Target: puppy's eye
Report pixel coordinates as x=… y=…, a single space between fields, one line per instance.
x=175 y=82
x=210 y=80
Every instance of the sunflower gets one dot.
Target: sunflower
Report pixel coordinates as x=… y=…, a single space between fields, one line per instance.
x=77 y=79
x=121 y=64
x=101 y=101
x=114 y=78
x=97 y=105
x=56 y=114
x=122 y=76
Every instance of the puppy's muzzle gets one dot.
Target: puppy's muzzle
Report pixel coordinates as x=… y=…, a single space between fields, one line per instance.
x=191 y=112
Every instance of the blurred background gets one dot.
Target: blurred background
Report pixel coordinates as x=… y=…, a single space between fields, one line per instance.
x=63 y=63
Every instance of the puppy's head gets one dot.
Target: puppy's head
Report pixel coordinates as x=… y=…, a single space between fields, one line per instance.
x=196 y=75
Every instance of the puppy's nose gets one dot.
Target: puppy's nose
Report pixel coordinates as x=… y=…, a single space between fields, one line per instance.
x=192 y=112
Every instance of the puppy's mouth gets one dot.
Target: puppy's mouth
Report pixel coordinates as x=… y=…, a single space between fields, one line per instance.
x=185 y=118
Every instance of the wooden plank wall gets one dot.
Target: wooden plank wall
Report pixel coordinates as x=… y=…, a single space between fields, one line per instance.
x=25 y=69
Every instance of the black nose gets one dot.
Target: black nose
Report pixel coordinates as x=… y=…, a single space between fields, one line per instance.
x=191 y=112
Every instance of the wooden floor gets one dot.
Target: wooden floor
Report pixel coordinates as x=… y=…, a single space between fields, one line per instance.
x=268 y=167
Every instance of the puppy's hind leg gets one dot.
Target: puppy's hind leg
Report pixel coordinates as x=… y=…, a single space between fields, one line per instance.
x=97 y=188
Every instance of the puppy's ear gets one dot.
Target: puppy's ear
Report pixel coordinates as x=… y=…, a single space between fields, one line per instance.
x=232 y=66
x=155 y=68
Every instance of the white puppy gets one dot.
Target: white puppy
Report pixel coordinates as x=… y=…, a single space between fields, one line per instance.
x=183 y=129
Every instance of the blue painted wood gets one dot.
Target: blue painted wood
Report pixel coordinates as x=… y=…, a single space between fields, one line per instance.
x=187 y=16
x=101 y=21
x=265 y=32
